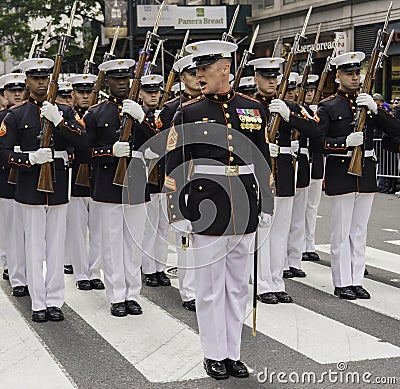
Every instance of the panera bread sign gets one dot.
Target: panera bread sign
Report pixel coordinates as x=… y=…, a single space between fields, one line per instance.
x=183 y=17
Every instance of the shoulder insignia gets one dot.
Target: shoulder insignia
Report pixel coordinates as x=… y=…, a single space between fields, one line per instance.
x=19 y=104
x=331 y=97
x=170 y=183
x=172 y=139
x=189 y=102
x=3 y=129
x=159 y=122
x=247 y=97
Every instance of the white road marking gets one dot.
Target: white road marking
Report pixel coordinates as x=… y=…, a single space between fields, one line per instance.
x=389 y=230
x=161 y=347
x=374 y=257
x=396 y=242
x=24 y=360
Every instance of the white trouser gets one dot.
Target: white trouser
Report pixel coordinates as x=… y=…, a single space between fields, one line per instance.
x=186 y=271
x=44 y=240
x=95 y=254
x=77 y=230
x=296 y=232
x=155 y=244
x=273 y=248
x=3 y=240
x=15 y=243
x=122 y=235
x=314 y=198
x=222 y=277
x=350 y=214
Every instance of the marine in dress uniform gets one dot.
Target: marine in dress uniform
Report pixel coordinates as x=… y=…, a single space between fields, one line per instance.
x=11 y=231
x=298 y=221
x=221 y=208
x=3 y=100
x=247 y=86
x=44 y=214
x=120 y=211
x=64 y=93
x=190 y=89
x=271 y=286
x=317 y=165
x=86 y=270
x=351 y=196
x=155 y=240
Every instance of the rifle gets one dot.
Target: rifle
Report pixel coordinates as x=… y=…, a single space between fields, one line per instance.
x=152 y=64
x=41 y=51
x=356 y=162
x=276 y=46
x=172 y=73
x=83 y=175
x=45 y=183
x=227 y=36
x=13 y=175
x=100 y=77
x=244 y=60
x=324 y=74
x=275 y=119
x=307 y=68
x=127 y=121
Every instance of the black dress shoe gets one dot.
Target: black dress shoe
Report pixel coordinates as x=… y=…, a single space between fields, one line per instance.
x=162 y=278
x=189 y=305
x=366 y=272
x=5 y=274
x=360 y=292
x=287 y=274
x=151 y=279
x=20 y=291
x=215 y=369
x=313 y=256
x=68 y=269
x=236 y=368
x=297 y=272
x=97 y=284
x=39 y=316
x=345 y=293
x=84 y=285
x=267 y=298
x=133 y=307
x=304 y=257
x=55 y=314
x=118 y=309
x=283 y=297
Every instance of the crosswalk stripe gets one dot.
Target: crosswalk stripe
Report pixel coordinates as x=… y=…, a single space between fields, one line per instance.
x=22 y=354
x=396 y=242
x=385 y=298
x=374 y=257
x=161 y=347
x=306 y=332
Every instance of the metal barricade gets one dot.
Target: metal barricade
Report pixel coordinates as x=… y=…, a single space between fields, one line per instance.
x=388 y=162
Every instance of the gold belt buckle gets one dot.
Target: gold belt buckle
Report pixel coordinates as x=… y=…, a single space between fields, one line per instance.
x=232 y=170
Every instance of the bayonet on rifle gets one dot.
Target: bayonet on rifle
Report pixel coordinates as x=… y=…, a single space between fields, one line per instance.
x=229 y=35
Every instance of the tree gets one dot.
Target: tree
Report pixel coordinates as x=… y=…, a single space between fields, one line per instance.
x=16 y=17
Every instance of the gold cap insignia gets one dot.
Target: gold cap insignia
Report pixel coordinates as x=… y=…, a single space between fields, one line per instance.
x=353 y=56
x=120 y=62
x=40 y=61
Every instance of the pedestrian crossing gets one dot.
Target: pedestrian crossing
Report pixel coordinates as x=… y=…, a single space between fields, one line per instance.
x=166 y=349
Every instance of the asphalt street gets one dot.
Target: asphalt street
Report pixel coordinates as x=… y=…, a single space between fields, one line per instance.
x=319 y=341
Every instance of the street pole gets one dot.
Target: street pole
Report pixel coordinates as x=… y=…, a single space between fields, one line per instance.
x=131 y=27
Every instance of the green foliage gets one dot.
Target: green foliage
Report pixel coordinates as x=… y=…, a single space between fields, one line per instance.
x=16 y=18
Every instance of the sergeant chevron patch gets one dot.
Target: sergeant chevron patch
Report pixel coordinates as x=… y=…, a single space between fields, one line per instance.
x=3 y=129
x=172 y=139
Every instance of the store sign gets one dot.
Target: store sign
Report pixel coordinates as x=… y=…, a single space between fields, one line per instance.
x=325 y=46
x=183 y=17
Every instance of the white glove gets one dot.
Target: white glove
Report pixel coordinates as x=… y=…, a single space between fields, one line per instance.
x=41 y=156
x=355 y=139
x=51 y=113
x=273 y=150
x=150 y=154
x=313 y=107
x=121 y=149
x=279 y=106
x=133 y=109
x=182 y=227
x=264 y=220
x=366 y=100
x=294 y=146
